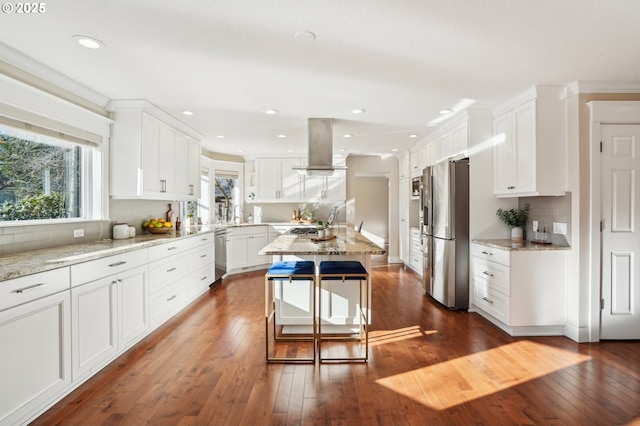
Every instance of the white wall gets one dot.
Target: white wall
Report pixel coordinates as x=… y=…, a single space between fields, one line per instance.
x=372 y=207
x=372 y=166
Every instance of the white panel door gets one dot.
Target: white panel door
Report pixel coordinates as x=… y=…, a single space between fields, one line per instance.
x=620 y=318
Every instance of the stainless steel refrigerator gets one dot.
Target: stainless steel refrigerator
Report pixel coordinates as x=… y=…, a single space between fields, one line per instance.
x=445 y=232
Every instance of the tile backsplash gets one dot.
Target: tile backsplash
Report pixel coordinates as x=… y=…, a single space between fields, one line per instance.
x=547 y=210
x=17 y=239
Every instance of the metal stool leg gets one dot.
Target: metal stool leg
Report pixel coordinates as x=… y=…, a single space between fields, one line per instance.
x=306 y=274
x=352 y=271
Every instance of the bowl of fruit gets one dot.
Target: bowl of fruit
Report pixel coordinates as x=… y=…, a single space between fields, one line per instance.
x=157 y=226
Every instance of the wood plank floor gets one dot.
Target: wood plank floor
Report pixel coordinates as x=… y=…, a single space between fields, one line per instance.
x=427 y=365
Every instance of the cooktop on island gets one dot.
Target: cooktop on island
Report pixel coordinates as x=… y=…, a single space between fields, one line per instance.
x=304 y=231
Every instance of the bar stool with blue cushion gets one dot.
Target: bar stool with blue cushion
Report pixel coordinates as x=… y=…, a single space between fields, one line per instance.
x=299 y=270
x=346 y=270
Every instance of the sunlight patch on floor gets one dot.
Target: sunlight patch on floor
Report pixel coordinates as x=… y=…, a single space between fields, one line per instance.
x=387 y=336
x=480 y=374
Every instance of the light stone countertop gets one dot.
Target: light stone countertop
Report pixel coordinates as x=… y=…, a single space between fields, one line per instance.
x=32 y=262
x=347 y=241
x=507 y=244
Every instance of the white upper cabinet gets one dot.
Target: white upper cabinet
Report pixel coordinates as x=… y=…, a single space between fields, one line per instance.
x=403 y=166
x=152 y=155
x=326 y=188
x=530 y=144
x=277 y=181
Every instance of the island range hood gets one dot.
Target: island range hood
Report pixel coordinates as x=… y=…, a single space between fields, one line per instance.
x=320 y=149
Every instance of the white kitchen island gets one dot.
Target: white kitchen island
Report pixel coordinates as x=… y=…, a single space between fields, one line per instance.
x=339 y=299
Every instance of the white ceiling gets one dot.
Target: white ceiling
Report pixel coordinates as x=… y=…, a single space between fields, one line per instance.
x=401 y=60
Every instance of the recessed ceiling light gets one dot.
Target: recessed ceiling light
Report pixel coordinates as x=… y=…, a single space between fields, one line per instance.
x=348 y=135
x=358 y=110
x=305 y=36
x=271 y=111
x=414 y=135
x=446 y=111
x=221 y=136
x=187 y=112
x=282 y=136
x=88 y=42
x=394 y=150
x=241 y=151
x=342 y=150
x=291 y=150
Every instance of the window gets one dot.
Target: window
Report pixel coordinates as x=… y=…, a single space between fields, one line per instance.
x=43 y=176
x=201 y=210
x=227 y=196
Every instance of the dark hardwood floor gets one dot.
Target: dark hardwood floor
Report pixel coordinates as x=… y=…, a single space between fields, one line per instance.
x=427 y=366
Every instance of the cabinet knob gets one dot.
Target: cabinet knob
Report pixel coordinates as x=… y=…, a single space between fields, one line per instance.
x=511 y=187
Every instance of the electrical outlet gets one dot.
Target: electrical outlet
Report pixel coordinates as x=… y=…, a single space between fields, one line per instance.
x=559 y=228
x=77 y=233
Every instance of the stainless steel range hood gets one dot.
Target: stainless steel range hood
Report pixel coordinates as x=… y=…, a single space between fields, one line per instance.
x=320 y=148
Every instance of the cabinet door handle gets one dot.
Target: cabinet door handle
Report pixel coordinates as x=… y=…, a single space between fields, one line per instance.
x=486 y=299
x=488 y=253
x=171 y=298
x=122 y=262
x=30 y=288
x=203 y=256
x=203 y=278
x=487 y=274
x=171 y=270
x=172 y=248
x=511 y=187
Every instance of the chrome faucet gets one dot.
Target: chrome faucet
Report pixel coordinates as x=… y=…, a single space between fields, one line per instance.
x=237 y=216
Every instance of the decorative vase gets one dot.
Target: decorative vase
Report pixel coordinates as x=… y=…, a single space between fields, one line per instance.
x=517 y=234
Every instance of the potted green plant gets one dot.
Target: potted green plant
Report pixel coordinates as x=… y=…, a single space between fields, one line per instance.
x=516 y=219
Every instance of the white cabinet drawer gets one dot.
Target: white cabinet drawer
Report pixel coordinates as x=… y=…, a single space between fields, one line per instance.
x=199 y=257
x=164 y=272
x=493 y=274
x=490 y=301
x=199 y=240
x=31 y=287
x=90 y=271
x=171 y=248
x=490 y=253
x=165 y=302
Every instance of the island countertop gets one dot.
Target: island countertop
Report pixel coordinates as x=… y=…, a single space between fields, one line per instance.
x=347 y=242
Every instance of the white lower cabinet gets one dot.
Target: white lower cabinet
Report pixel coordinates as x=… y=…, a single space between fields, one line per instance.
x=415 y=251
x=243 y=245
x=109 y=313
x=521 y=291
x=60 y=327
x=35 y=359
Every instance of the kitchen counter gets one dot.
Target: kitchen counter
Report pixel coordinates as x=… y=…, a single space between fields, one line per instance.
x=347 y=242
x=32 y=262
x=507 y=244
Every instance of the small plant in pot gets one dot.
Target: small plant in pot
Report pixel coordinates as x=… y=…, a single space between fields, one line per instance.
x=516 y=218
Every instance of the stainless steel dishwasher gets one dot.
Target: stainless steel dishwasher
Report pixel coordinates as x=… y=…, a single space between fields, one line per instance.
x=221 y=254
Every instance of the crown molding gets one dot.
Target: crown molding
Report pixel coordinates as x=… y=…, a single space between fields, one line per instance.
x=26 y=70
x=579 y=87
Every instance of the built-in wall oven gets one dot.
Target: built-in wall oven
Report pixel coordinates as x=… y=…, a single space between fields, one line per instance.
x=416 y=187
